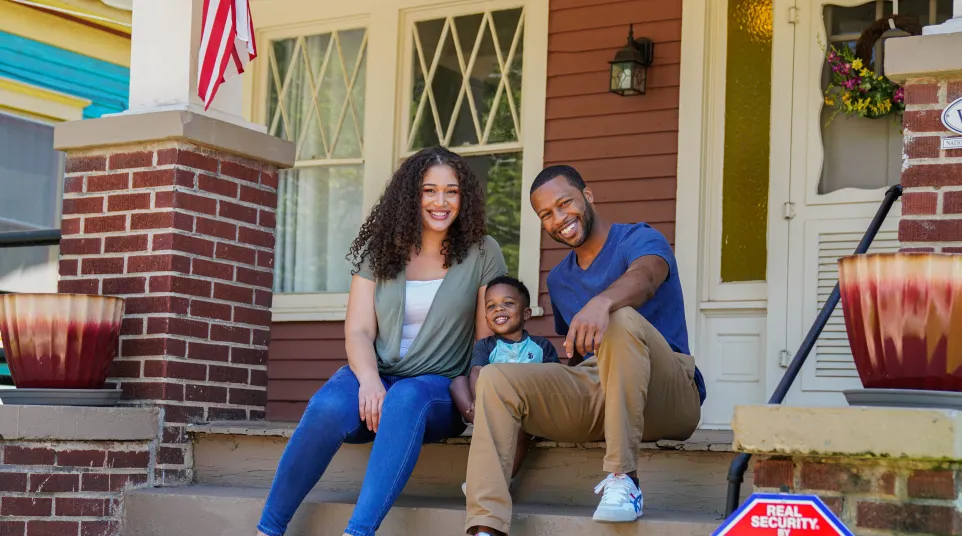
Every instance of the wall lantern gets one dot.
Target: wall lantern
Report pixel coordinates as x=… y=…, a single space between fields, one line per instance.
x=629 y=69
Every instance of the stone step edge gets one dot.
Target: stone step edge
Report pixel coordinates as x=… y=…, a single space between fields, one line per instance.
x=701 y=441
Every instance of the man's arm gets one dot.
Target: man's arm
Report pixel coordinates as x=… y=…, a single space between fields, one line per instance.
x=635 y=287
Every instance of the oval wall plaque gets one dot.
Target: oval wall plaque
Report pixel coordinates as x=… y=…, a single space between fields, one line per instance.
x=952 y=116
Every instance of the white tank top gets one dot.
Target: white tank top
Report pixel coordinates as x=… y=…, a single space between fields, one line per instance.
x=418 y=296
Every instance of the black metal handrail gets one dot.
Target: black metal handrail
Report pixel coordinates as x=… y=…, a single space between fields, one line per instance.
x=40 y=237
x=739 y=465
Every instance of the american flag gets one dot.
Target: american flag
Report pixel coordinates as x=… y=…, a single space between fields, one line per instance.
x=226 y=46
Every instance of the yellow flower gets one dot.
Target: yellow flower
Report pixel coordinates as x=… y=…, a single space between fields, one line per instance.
x=857 y=64
x=846 y=98
x=829 y=101
x=865 y=73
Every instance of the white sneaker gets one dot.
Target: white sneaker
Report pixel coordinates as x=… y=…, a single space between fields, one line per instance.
x=621 y=502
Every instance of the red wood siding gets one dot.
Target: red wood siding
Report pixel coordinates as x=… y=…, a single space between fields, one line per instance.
x=302 y=355
x=625 y=147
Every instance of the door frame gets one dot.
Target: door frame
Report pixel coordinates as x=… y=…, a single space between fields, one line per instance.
x=699 y=174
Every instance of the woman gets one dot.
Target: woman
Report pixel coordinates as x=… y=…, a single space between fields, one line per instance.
x=421 y=264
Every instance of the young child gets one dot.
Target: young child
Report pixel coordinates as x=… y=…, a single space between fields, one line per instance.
x=507 y=306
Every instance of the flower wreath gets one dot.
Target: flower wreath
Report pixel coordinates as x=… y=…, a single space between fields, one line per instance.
x=856 y=90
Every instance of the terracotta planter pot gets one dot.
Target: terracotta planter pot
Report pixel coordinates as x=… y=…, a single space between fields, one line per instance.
x=64 y=341
x=903 y=314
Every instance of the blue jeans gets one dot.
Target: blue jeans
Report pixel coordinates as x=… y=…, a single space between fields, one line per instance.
x=416 y=410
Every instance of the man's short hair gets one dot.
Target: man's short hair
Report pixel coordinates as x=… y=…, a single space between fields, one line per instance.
x=550 y=173
x=512 y=282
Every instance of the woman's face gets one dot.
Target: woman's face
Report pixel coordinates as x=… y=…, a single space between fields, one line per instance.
x=440 y=198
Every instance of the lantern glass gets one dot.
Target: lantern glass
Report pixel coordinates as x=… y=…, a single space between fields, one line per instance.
x=639 y=78
x=627 y=78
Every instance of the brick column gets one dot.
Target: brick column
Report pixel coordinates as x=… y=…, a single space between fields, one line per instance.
x=183 y=229
x=931 y=176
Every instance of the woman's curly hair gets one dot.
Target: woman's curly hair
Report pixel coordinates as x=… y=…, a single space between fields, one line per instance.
x=393 y=229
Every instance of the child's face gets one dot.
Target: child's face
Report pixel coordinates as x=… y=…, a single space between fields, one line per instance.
x=505 y=310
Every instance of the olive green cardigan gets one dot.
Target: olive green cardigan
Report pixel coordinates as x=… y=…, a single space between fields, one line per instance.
x=443 y=345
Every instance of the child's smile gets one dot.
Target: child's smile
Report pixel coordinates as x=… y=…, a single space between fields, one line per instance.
x=505 y=311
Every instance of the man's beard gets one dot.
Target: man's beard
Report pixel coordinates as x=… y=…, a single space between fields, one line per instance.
x=587 y=224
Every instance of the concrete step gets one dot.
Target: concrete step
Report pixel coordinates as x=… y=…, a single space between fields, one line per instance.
x=677 y=476
x=203 y=510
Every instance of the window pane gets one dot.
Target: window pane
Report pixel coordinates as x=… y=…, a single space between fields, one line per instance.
x=846 y=20
x=446 y=111
x=943 y=11
x=318 y=215
x=917 y=9
x=747 y=109
x=316 y=100
x=30 y=171
x=316 y=93
x=501 y=176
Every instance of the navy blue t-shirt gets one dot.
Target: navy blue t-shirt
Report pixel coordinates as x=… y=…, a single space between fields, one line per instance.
x=571 y=288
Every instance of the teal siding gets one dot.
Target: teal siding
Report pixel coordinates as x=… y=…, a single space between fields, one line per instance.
x=46 y=66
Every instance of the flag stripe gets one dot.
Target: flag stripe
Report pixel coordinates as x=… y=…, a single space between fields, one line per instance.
x=225 y=50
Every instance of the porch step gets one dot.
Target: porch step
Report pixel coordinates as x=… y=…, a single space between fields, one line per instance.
x=674 y=476
x=204 y=510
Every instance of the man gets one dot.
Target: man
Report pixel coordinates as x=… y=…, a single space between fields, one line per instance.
x=617 y=300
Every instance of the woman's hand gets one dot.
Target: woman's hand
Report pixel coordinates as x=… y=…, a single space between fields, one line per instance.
x=370 y=399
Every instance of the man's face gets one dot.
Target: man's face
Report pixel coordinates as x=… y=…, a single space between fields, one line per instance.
x=565 y=211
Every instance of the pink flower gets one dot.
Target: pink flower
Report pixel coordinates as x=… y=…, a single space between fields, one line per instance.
x=832 y=56
x=899 y=95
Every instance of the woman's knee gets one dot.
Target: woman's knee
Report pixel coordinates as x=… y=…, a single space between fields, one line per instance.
x=412 y=396
x=331 y=410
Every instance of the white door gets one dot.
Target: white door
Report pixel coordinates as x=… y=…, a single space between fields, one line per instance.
x=839 y=172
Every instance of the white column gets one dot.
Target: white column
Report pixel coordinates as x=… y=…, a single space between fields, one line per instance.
x=952 y=25
x=165 y=40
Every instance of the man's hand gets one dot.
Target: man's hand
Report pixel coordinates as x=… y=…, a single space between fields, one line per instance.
x=588 y=327
x=370 y=399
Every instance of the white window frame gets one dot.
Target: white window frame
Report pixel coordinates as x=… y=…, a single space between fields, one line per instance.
x=388 y=24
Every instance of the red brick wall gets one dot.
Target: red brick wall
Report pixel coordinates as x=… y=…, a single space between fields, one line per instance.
x=186 y=236
x=68 y=488
x=932 y=178
x=626 y=148
x=872 y=496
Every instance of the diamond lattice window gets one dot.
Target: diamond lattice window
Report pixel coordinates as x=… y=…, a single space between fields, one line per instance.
x=466 y=87
x=316 y=100
x=465 y=94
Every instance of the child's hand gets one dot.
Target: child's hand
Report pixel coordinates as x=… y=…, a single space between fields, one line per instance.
x=471 y=409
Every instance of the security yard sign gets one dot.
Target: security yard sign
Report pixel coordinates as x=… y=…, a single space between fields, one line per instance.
x=765 y=514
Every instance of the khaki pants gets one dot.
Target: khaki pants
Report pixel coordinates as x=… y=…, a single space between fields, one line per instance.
x=635 y=389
